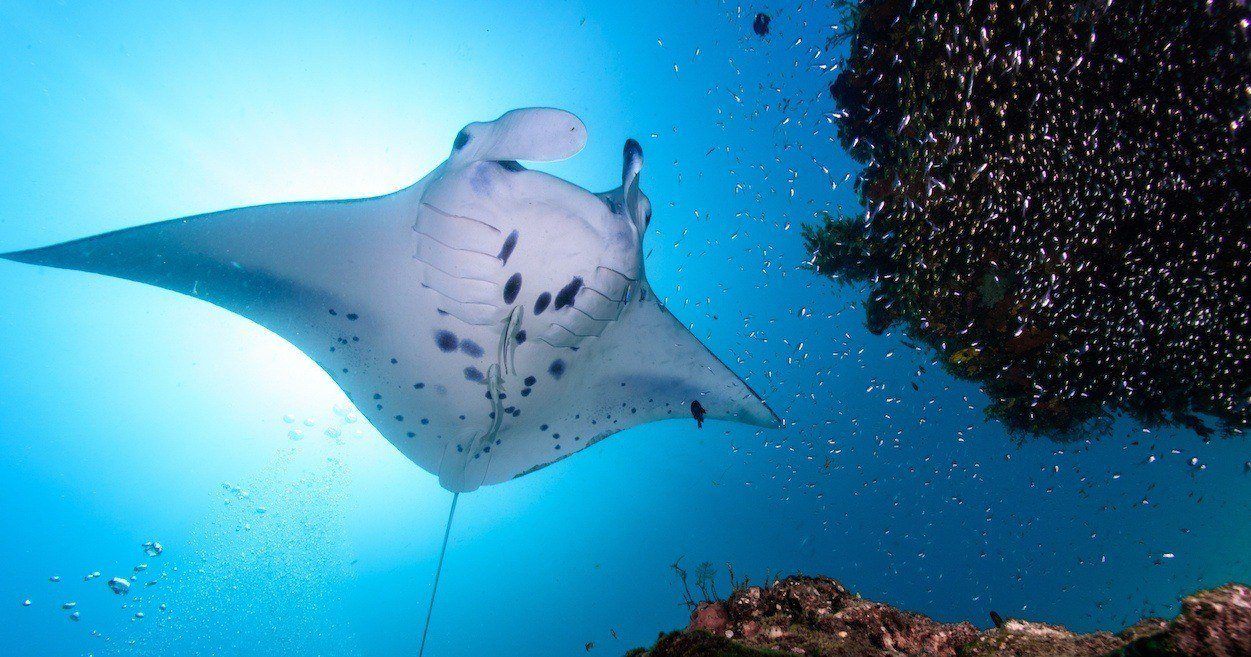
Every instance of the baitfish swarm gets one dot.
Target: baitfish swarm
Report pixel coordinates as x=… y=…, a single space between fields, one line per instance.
x=1058 y=200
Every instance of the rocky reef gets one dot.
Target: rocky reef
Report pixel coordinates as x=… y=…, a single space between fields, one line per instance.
x=817 y=616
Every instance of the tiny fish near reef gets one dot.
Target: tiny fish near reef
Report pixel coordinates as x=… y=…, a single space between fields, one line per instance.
x=487 y=320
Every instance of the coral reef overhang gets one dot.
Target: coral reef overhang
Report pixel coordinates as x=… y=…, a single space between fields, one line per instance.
x=1058 y=201
x=818 y=617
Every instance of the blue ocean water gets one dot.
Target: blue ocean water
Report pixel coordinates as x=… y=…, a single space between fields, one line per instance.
x=130 y=414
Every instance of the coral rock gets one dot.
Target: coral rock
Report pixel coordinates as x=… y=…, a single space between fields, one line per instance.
x=818 y=617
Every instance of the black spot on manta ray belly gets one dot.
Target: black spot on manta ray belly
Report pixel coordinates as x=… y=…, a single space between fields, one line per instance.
x=556 y=369
x=540 y=304
x=474 y=374
x=512 y=287
x=471 y=348
x=520 y=337
x=446 y=340
x=506 y=251
x=567 y=293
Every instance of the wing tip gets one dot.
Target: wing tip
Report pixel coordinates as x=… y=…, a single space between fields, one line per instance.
x=775 y=420
x=36 y=256
x=769 y=419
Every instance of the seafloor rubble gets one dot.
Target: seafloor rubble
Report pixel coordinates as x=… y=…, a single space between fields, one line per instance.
x=1058 y=201
x=818 y=617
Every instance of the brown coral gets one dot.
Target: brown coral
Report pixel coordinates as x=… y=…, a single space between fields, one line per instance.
x=818 y=617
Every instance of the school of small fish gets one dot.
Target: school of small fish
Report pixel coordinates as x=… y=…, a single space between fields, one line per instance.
x=1058 y=201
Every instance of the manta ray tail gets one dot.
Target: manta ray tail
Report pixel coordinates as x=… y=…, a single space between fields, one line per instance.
x=447 y=531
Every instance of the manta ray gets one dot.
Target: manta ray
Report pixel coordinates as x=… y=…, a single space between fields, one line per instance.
x=488 y=320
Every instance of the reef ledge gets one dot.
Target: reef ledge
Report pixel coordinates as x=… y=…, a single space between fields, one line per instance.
x=818 y=617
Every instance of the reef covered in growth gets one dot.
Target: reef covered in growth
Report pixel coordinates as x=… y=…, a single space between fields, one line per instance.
x=1058 y=201
x=818 y=617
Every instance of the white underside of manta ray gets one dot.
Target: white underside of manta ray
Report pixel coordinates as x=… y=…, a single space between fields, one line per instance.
x=487 y=320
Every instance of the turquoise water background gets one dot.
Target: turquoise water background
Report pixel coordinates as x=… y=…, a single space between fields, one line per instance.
x=130 y=414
